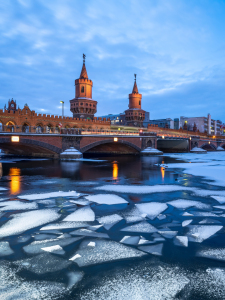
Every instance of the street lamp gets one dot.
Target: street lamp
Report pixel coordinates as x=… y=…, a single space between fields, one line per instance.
x=62 y=108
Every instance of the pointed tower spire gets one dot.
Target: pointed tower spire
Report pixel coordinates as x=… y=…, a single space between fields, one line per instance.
x=135 y=89
x=83 y=73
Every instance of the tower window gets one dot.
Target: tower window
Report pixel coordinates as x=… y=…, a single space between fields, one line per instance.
x=139 y=102
x=82 y=89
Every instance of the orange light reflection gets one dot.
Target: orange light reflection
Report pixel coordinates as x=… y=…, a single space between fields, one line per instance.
x=163 y=173
x=115 y=170
x=14 y=173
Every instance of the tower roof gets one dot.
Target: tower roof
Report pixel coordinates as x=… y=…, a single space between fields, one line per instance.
x=135 y=89
x=83 y=73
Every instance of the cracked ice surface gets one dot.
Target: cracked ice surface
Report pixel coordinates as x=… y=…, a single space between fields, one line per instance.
x=64 y=225
x=144 y=227
x=106 y=199
x=130 y=240
x=199 y=233
x=104 y=251
x=5 y=249
x=87 y=232
x=82 y=214
x=152 y=209
x=183 y=203
x=17 y=205
x=133 y=215
x=27 y=220
x=49 y=195
x=212 y=253
x=109 y=221
x=152 y=249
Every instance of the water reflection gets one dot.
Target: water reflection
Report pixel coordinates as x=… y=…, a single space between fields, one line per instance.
x=14 y=174
x=163 y=173
x=0 y=170
x=115 y=170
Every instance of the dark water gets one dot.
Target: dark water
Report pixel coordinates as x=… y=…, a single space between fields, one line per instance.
x=177 y=274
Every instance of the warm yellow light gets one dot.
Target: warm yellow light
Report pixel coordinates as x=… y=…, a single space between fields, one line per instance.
x=163 y=173
x=190 y=138
x=209 y=142
x=115 y=139
x=118 y=128
x=14 y=174
x=15 y=138
x=61 y=101
x=163 y=136
x=115 y=171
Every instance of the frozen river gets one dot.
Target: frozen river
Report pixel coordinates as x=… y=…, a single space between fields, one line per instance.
x=128 y=228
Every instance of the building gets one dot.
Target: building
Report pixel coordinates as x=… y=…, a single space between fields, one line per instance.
x=135 y=116
x=117 y=119
x=163 y=123
x=201 y=124
x=83 y=106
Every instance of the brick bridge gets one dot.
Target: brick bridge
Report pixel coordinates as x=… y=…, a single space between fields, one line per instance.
x=112 y=142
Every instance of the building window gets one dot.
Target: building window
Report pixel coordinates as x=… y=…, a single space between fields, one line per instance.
x=139 y=102
x=82 y=89
x=81 y=103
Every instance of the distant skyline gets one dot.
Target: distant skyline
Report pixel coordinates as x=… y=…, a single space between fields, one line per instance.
x=176 y=48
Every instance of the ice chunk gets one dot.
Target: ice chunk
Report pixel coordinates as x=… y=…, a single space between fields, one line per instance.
x=49 y=195
x=152 y=249
x=203 y=214
x=3 y=189
x=220 y=199
x=23 y=238
x=80 y=202
x=143 y=241
x=183 y=203
x=109 y=221
x=104 y=251
x=133 y=215
x=39 y=237
x=64 y=225
x=82 y=214
x=181 y=241
x=161 y=217
x=212 y=253
x=143 y=189
x=168 y=234
x=209 y=221
x=47 y=202
x=17 y=205
x=36 y=246
x=186 y=214
x=44 y=263
x=140 y=227
x=130 y=240
x=55 y=249
x=95 y=227
x=91 y=244
x=220 y=206
x=75 y=257
x=86 y=232
x=106 y=199
x=186 y=222
x=74 y=278
x=27 y=220
x=199 y=233
x=5 y=249
x=152 y=209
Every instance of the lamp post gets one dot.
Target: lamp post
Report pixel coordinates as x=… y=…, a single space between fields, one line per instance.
x=62 y=108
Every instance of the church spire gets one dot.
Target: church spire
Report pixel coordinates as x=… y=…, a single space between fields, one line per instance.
x=135 y=89
x=83 y=73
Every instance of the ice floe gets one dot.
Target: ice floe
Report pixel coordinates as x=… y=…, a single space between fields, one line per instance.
x=199 y=233
x=183 y=203
x=152 y=209
x=181 y=241
x=82 y=214
x=168 y=234
x=39 y=237
x=64 y=225
x=152 y=249
x=220 y=206
x=5 y=249
x=143 y=189
x=108 y=199
x=49 y=195
x=186 y=222
x=144 y=227
x=130 y=240
x=54 y=249
x=3 y=189
x=104 y=251
x=36 y=246
x=209 y=221
x=202 y=214
x=212 y=253
x=80 y=202
x=17 y=205
x=133 y=215
x=220 y=199
x=109 y=221
x=87 y=232
x=27 y=220
x=74 y=278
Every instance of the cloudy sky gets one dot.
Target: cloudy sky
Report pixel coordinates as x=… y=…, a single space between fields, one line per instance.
x=176 y=48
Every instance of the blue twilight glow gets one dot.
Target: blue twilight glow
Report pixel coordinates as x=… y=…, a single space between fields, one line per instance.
x=176 y=48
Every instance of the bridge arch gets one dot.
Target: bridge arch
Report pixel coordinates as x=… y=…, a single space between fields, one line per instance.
x=223 y=146
x=209 y=147
x=111 y=141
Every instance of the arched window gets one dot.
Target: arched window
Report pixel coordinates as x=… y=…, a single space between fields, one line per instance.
x=82 y=89
x=25 y=127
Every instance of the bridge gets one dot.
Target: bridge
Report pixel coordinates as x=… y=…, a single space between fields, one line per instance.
x=52 y=143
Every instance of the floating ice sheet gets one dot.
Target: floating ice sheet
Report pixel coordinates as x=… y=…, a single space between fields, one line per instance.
x=168 y=234
x=64 y=225
x=152 y=209
x=220 y=206
x=47 y=202
x=133 y=215
x=3 y=189
x=152 y=249
x=36 y=246
x=54 y=249
x=39 y=237
x=199 y=233
x=44 y=263
x=17 y=205
x=74 y=278
x=27 y=220
x=82 y=214
x=220 y=199
x=212 y=253
x=86 y=232
x=130 y=240
x=5 y=249
x=209 y=221
x=181 y=241
x=186 y=222
x=106 y=199
x=202 y=214
x=109 y=221
x=80 y=202
x=183 y=203
x=104 y=251
x=49 y=195
x=144 y=227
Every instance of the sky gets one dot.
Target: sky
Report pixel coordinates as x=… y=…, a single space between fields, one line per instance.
x=176 y=48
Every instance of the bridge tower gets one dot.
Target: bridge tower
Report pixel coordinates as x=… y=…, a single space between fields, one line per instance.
x=83 y=106
x=135 y=115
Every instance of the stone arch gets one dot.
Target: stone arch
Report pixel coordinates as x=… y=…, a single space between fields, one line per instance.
x=223 y=146
x=10 y=126
x=149 y=143
x=67 y=126
x=39 y=128
x=49 y=128
x=209 y=147
x=194 y=144
x=92 y=145
x=25 y=127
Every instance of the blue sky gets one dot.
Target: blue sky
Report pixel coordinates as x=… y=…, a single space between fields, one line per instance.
x=176 y=48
